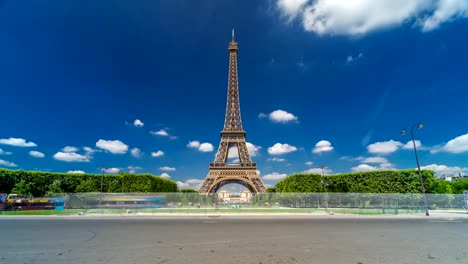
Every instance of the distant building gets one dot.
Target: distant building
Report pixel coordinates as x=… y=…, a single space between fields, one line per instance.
x=226 y=197
x=452 y=178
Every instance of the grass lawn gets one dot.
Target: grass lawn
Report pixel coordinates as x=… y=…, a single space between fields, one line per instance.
x=42 y=212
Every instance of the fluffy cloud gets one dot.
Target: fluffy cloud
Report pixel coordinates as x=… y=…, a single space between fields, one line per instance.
x=366 y=167
x=318 y=171
x=409 y=144
x=158 y=153
x=456 y=145
x=350 y=58
x=280 y=116
x=322 y=146
x=445 y=170
x=191 y=183
x=111 y=170
x=17 y=142
x=309 y=163
x=7 y=163
x=275 y=176
x=166 y=168
x=385 y=147
x=138 y=123
x=161 y=132
x=76 y=172
x=357 y=17
x=203 y=147
x=70 y=149
x=89 y=150
x=375 y=160
x=165 y=175
x=291 y=8
x=2 y=152
x=36 y=154
x=113 y=146
x=277 y=159
x=279 y=149
x=136 y=152
x=253 y=150
x=446 y=10
x=133 y=169
x=71 y=157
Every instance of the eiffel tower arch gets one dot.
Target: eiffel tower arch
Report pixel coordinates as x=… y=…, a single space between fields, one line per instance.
x=233 y=135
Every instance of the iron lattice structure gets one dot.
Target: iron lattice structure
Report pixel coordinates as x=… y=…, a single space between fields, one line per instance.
x=233 y=135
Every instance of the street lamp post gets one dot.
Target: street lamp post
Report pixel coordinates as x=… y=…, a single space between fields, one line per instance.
x=102 y=181
x=423 y=190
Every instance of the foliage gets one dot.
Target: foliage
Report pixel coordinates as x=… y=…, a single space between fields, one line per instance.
x=270 y=190
x=392 y=181
x=189 y=190
x=460 y=185
x=21 y=188
x=42 y=183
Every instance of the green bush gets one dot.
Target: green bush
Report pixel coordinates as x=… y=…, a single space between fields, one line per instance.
x=42 y=183
x=392 y=181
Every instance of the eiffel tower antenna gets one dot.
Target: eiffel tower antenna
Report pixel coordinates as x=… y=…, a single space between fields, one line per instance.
x=232 y=135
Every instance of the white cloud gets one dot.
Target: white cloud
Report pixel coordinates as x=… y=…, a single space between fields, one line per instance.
x=279 y=149
x=445 y=170
x=113 y=146
x=136 y=152
x=350 y=58
x=409 y=144
x=166 y=168
x=2 y=152
x=89 y=150
x=253 y=149
x=161 y=132
x=138 y=123
x=363 y=167
x=7 y=163
x=277 y=159
x=375 y=160
x=280 y=116
x=309 y=163
x=70 y=149
x=318 y=171
x=165 y=175
x=133 y=169
x=456 y=145
x=158 y=153
x=193 y=144
x=111 y=170
x=191 y=183
x=366 y=167
x=385 y=147
x=203 y=147
x=71 y=157
x=291 y=8
x=262 y=115
x=322 y=146
x=76 y=172
x=17 y=142
x=358 y=17
x=36 y=154
x=446 y=10
x=275 y=176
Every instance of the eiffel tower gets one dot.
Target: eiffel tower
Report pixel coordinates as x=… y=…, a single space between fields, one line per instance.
x=233 y=135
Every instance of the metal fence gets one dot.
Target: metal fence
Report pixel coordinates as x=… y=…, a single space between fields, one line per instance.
x=268 y=200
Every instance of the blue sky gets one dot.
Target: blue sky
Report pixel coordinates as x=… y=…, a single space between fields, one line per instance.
x=322 y=82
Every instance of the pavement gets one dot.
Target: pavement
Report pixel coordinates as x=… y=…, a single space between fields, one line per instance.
x=233 y=239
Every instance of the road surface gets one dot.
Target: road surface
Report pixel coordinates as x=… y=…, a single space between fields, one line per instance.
x=232 y=240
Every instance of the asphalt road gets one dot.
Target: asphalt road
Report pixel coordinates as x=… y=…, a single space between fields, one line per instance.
x=232 y=240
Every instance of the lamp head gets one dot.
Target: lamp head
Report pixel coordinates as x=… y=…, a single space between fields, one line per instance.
x=420 y=126
x=403 y=132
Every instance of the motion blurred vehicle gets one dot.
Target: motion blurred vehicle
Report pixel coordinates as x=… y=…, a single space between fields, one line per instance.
x=12 y=202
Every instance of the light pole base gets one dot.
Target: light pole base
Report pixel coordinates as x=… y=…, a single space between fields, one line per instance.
x=427 y=212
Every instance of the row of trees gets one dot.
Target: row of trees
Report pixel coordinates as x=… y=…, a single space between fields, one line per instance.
x=46 y=183
x=392 y=181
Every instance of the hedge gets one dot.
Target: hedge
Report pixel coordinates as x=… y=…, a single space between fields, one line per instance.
x=391 y=181
x=41 y=183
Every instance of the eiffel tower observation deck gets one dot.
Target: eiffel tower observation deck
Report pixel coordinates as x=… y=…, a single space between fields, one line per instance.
x=233 y=135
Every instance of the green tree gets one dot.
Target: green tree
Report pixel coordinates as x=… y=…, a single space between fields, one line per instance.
x=21 y=188
x=88 y=185
x=55 y=187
